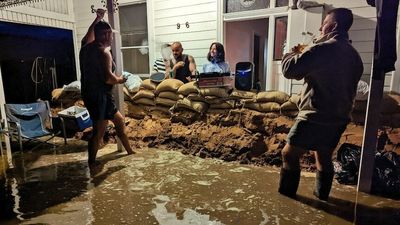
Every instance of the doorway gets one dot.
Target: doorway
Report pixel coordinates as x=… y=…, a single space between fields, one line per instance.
x=245 y=41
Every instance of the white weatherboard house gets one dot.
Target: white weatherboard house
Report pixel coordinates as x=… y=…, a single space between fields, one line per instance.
x=259 y=31
x=251 y=30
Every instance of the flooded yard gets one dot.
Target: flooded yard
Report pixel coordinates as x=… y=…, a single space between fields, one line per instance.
x=155 y=186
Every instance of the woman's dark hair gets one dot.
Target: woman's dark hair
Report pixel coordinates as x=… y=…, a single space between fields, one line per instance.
x=220 y=52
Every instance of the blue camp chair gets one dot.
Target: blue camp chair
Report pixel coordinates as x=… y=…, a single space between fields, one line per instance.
x=28 y=121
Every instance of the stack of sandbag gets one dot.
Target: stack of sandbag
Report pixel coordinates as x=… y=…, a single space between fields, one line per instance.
x=191 y=91
x=187 y=104
x=190 y=99
x=167 y=92
x=145 y=96
x=217 y=98
x=268 y=101
x=290 y=107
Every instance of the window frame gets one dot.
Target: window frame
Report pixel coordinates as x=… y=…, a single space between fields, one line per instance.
x=275 y=57
x=128 y=47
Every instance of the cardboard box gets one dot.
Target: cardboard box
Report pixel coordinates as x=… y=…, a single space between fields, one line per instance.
x=76 y=118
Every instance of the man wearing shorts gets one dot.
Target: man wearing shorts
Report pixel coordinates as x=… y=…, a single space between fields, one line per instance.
x=331 y=69
x=97 y=79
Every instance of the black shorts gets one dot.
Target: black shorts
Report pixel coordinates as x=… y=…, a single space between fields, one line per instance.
x=313 y=136
x=101 y=106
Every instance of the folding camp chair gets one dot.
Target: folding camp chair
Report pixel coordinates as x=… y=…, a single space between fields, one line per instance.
x=28 y=121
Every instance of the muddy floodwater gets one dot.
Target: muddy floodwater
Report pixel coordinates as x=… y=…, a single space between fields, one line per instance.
x=154 y=186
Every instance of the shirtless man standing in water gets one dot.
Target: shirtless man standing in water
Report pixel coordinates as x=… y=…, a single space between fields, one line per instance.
x=97 y=79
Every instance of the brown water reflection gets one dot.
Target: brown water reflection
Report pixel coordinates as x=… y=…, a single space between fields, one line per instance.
x=165 y=187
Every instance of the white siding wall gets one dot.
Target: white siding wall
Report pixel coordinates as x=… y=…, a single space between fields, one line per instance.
x=51 y=13
x=165 y=14
x=202 y=18
x=362 y=33
x=84 y=17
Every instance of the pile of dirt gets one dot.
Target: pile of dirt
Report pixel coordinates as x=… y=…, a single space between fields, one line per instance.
x=247 y=136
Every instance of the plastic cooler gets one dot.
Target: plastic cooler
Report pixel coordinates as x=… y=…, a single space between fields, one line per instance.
x=76 y=118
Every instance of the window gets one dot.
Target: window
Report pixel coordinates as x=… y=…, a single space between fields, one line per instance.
x=134 y=37
x=280 y=37
x=280 y=3
x=245 y=5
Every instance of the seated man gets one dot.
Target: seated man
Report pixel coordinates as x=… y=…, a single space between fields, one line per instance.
x=182 y=65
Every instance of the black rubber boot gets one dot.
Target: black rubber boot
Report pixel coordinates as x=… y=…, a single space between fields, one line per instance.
x=289 y=182
x=323 y=184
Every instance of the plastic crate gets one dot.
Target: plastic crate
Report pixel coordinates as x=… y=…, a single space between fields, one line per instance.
x=76 y=118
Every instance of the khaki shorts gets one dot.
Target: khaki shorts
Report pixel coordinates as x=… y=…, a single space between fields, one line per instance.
x=313 y=136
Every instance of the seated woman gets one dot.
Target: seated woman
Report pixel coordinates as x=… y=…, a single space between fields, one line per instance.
x=216 y=56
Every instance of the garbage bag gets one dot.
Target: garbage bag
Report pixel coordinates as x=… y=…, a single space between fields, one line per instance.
x=348 y=163
x=386 y=178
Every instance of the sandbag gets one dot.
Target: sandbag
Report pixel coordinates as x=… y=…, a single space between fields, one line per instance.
x=165 y=101
x=133 y=82
x=214 y=91
x=188 y=88
x=390 y=103
x=288 y=106
x=148 y=85
x=134 y=110
x=295 y=99
x=195 y=97
x=243 y=94
x=272 y=96
x=223 y=105
x=145 y=101
x=212 y=100
x=263 y=107
x=56 y=93
x=185 y=103
x=143 y=94
x=127 y=95
x=169 y=85
x=391 y=120
x=170 y=95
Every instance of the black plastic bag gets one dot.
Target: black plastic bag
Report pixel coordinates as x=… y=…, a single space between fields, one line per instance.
x=386 y=179
x=348 y=163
